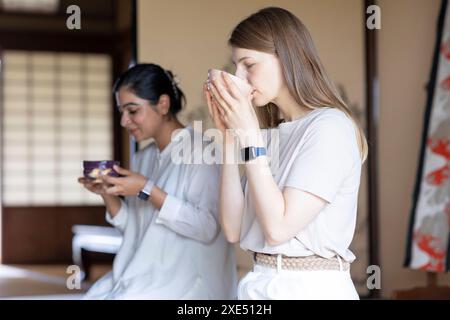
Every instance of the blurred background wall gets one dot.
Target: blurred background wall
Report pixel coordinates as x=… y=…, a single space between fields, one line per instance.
x=406 y=44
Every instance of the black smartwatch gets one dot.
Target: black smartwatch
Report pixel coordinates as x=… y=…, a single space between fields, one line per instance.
x=144 y=194
x=250 y=153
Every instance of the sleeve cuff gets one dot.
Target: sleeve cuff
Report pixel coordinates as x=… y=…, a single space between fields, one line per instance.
x=119 y=219
x=326 y=195
x=170 y=210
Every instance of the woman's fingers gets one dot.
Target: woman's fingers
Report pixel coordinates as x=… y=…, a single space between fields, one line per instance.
x=218 y=96
x=216 y=112
x=94 y=187
x=219 y=112
x=111 y=180
x=215 y=95
x=235 y=93
x=114 y=190
x=220 y=104
x=208 y=100
x=222 y=91
x=212 y=104
x=85 y=182
x=121 y=171
x=82 y=180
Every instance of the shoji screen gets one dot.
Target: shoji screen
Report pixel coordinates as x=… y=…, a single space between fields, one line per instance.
x=56 y=112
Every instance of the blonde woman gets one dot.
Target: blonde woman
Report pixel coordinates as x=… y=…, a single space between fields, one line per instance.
x=299 y=220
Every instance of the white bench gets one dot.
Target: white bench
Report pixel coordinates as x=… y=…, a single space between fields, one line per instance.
x=93 y=239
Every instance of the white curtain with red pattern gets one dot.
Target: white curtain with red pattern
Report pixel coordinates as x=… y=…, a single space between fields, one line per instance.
x=429 y=230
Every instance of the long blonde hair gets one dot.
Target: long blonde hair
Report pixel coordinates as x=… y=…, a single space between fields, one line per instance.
x=279 y=32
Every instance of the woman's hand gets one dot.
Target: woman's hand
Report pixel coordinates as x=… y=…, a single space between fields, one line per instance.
x=94 y=187
x=236 y=110
x=128 y=185
x=214 y=111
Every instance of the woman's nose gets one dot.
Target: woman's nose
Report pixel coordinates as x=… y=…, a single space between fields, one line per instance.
x=124 y=120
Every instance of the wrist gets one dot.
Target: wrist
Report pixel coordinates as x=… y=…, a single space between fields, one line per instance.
x=106 y=196
x=250 y=138
x=146 y=191
x=229 y=137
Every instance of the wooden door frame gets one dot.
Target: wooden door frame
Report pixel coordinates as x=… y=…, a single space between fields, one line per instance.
x=372 y=96
x=114 y=44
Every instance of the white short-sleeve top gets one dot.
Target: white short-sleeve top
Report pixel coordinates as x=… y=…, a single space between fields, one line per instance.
x=318 y=153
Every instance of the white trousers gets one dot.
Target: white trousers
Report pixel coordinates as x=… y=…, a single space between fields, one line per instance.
x=266 y=283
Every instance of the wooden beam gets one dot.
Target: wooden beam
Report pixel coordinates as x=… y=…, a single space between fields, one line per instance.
x=372 y=116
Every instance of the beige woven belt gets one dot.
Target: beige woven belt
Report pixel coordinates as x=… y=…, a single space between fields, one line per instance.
x=310 y=263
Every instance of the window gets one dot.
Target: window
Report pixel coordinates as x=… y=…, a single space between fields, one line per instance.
x=56 y=113
x=44 y=6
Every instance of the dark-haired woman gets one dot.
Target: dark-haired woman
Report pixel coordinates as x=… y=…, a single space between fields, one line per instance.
x=172 y=245
x=299 y=219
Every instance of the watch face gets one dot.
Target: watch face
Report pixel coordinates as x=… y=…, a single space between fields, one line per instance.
x=248 y=153
x=143 y=195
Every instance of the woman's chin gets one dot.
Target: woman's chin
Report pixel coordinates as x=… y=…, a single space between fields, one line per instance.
x=137 y=138
x=260 y=104
x=259 y=101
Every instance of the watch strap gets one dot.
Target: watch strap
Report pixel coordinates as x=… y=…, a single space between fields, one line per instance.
x=250 y=153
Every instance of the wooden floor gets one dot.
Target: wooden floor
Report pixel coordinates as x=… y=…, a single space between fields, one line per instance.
x=49 y=281
x=42 y=281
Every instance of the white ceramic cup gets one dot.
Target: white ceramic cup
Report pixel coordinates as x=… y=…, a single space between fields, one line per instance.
x=243 y=86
